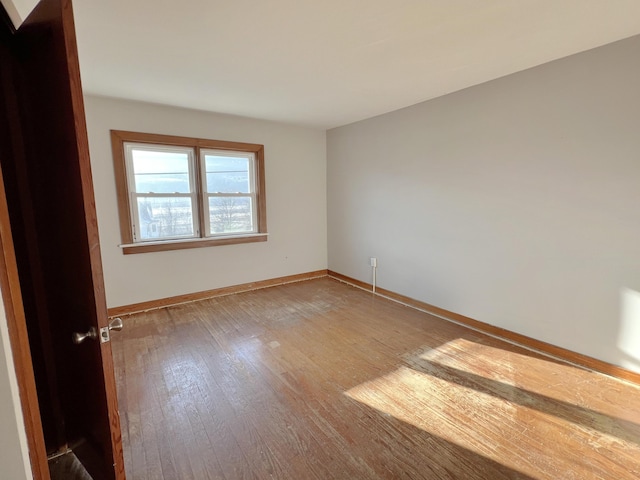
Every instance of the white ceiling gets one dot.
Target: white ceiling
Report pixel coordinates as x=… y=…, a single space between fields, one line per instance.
x=327 y=63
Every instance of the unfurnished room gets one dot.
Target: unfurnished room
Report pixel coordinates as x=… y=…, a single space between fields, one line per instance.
x=320 y=240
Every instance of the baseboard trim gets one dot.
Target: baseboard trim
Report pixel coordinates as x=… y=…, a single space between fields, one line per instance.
x=216 y=292
x=501 y=333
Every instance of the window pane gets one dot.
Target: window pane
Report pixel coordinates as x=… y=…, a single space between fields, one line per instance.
x=161 y=172
x=227 y=174
x=230 y=215
x=165 y=217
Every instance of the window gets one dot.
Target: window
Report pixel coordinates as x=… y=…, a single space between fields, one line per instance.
x=180 y=192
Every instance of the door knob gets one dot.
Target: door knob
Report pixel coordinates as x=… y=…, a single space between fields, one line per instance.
x=116 y=324
x=81 y=337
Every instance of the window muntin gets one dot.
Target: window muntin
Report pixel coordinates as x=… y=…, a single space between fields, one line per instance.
x=181 y=192
x=162 y=189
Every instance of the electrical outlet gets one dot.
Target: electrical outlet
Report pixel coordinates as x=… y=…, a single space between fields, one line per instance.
x=373 y=261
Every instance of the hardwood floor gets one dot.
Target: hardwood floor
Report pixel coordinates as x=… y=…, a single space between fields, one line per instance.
x=67 y=467
x=320 y=380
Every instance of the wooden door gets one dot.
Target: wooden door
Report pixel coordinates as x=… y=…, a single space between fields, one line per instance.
x=53 y=219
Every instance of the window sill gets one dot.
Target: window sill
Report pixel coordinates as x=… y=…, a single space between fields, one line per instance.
x=147 y=247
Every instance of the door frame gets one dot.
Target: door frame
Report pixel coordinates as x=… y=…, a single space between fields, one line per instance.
x=12 y=295
x=16 y=320
x=19 y=344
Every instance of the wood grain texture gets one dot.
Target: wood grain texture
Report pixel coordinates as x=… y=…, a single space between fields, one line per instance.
x=19 y=341
x=97 y=299
x=216 y=292
x=122 y=190
x=56 y=177
x=540 y=346
x=68 y=467
x=11 y=150
x=148 y=247
x=320 y=380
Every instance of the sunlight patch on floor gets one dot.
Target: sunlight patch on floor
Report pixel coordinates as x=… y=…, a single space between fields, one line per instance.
x=471 y=416
x=455 y=413
x=526 y=371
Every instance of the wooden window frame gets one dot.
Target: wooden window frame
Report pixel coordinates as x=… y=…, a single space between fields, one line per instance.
x=118 y=140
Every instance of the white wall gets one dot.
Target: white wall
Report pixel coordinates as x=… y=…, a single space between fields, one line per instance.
x=515 y=202
x=18 y=10
x=14 y=453
x=295 y=164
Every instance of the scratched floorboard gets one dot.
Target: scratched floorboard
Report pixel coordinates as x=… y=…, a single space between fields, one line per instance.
x=319 y=380
x=67 y=467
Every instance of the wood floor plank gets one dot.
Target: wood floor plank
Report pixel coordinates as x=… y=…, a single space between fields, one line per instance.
x=320 y=380
x=67 y=467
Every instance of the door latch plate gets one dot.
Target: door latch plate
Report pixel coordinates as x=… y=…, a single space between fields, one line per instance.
x=104 y=335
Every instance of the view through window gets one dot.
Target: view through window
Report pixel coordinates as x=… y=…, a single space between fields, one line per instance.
x=179 y=192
